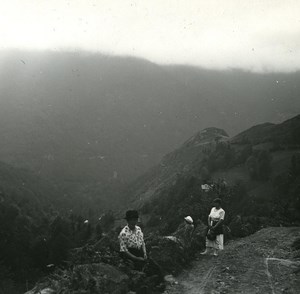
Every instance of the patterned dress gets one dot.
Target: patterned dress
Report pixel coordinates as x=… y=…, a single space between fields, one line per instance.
x=216 y=215
x=131 y=239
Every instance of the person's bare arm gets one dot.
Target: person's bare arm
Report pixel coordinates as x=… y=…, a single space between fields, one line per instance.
x=222 y=215
x=124 y=249
x=217 y=224
x=144 y=250
x=130 y=255
x=209 y=221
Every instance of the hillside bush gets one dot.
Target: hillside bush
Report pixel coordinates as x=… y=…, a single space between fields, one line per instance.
x=259 y=165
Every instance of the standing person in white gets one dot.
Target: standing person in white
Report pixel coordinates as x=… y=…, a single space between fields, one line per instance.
x=215 y=223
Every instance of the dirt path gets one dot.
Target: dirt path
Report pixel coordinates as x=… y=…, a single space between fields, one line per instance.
x=261 y=263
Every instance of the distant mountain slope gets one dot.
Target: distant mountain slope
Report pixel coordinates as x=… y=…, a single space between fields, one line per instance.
x=285 y=133
x=82 y=118
x=28 y=192
x=38 y=224
x=33 y=195
x=260 y=159
x=183 y=160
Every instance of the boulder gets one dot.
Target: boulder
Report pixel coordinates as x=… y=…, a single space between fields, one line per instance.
x=101 y=278
x=85 y=278
x=198 y=238
x=43 y=291
x=169 y=255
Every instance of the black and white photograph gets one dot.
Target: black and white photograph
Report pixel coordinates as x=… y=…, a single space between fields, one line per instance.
x=149 y=147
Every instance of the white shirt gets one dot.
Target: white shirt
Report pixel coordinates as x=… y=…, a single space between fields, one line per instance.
x=217 y=214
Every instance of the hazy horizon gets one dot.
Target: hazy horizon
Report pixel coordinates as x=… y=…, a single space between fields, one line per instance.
x=260 y=36
x=85 y=53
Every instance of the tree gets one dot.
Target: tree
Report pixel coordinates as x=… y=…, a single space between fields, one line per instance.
x=259 y=165
x=99 y=231
x=205 y=175
x=251 y=165
x=264 y=165
x=107 y=220
x=295 y=166
x=244 y=154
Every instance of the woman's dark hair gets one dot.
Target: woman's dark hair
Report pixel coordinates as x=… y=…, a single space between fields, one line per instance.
x=217 y=200
x=131 y=214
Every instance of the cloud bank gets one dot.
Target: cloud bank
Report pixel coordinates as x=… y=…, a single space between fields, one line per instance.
x=252 y=35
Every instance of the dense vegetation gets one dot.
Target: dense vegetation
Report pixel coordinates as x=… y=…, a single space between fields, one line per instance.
x=245 y=211
x=37 y=229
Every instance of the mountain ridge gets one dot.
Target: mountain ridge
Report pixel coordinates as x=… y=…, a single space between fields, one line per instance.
x=193 y=157
x=114 y=117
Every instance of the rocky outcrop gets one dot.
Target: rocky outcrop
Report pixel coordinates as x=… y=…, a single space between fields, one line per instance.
x=169 y=255
x=100 y=278
x=41 y=291
x=98 y=268
x=173 y=253
x=84 y=279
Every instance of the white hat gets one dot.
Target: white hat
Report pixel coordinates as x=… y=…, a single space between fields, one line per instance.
x=189 y=219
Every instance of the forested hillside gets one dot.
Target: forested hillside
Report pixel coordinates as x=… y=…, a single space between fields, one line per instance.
x=38 y=228
x=256 y=173
x=92 y=122
x=257 y=176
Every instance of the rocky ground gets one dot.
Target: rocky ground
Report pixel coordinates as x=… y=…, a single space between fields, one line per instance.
x=266 y=262
x=98 y=267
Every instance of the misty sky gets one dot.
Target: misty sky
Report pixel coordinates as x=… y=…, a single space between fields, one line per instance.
x=255 y=35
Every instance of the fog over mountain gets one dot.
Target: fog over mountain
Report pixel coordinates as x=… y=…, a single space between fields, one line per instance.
x=260 y=36
x=79 y=117
x=160 y=106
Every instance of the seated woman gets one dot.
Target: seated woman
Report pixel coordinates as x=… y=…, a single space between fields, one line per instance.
x=132 y=248
x=132 y=245
x=185 y=231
